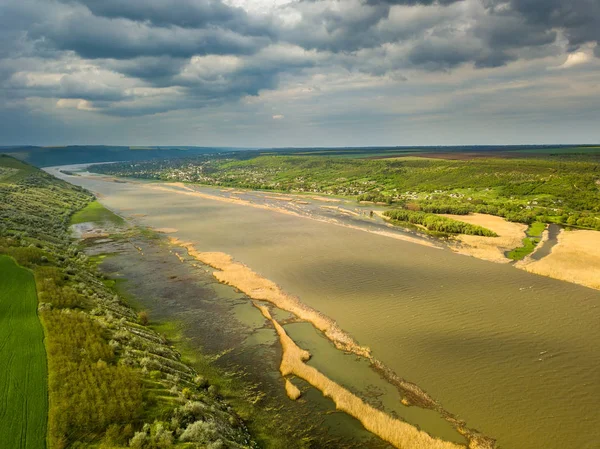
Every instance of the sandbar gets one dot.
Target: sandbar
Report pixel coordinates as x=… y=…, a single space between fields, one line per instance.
x=398 y=433
x=574 y=258
x=510 y=236
x=166 y=230
x=327 y=200
x=185 y=190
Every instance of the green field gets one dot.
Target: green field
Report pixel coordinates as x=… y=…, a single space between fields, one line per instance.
x=23 y=373
x=95 y=212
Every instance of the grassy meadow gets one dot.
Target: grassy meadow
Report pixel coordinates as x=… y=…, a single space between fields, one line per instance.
x=534 y=236
x=95 y=212
x=23 y=376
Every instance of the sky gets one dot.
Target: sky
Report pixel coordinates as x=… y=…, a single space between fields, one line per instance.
x=273 y=73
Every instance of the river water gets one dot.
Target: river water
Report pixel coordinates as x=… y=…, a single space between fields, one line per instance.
x=516 y=355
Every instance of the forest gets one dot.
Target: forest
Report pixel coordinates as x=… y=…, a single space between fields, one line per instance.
x=112 y=381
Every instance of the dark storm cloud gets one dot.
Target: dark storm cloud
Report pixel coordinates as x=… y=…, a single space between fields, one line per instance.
x=441 y=55
x=411 y=2
x=99 y=37
x=579 y=19
x=179 y=13
x=182 y=13
x=344 y=30
x=158 y=70
x=151 y=44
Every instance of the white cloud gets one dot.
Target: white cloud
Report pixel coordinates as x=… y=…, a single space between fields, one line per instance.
x=577 y=58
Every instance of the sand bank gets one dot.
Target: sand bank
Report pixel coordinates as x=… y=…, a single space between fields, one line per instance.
x=341 y=210
x=279 y=198
x=575 y=258
x=398 y=433
x=255 y=286
x=165 y=230
x=510 y=236
x=292 y=390
x=327 y=200
x=185 y=190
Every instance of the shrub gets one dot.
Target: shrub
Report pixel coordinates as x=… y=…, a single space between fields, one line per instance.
x=143 y=318
x=200 y=432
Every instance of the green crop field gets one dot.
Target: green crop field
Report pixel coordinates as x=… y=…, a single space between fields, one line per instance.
x=95 y=212
x=23 y=374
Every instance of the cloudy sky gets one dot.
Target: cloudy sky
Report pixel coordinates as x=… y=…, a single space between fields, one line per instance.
x=299 y=72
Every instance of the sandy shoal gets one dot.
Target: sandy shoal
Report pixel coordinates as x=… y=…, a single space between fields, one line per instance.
x=325 y=199
x=510 y=236
x=255 y=286
x=181 y=188
x=575 y=258
x=341 y=210
x=399 y=433
x=166 y=230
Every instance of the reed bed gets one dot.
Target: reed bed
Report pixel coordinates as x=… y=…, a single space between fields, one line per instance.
x=292 y=390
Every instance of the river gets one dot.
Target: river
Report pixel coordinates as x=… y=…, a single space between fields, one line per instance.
x=515 y=355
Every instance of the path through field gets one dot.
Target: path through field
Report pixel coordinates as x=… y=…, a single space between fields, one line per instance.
x=23 y=372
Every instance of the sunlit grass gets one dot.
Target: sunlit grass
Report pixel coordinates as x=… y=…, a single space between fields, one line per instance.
x=95 y=212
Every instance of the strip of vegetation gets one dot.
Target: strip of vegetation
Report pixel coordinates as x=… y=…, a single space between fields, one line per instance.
x=112 y=381
x=23 y=360
x=436 y=223
x=534 y=236
x=95 y=212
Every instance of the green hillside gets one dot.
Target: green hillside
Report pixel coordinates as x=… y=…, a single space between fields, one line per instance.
x=111 y=381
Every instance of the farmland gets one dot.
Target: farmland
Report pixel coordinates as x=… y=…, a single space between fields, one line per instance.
x=23 y=377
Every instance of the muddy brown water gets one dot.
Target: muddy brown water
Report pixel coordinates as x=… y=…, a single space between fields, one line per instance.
x=223 y=325
x=514 y=354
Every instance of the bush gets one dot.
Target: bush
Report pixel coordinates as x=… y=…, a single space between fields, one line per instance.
x=143 y=318
x=200 y=432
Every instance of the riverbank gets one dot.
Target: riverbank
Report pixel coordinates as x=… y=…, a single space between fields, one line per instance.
x=205 y=324
x=510 y=236
x=575 y=258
